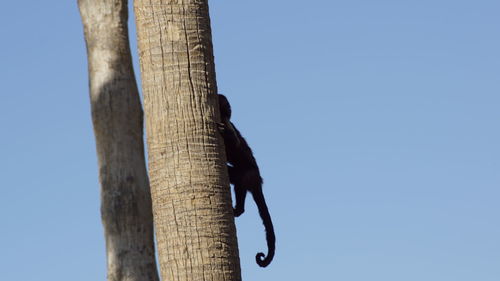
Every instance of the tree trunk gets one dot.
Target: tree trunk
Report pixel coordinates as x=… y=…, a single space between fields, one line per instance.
x=117 y=118
x=194 y=222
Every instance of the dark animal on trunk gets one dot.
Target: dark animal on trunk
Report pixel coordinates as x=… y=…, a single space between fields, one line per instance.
x=244 y=175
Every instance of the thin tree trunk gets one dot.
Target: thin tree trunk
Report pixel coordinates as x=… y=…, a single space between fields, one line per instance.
x=118 y=121
x=194 y=222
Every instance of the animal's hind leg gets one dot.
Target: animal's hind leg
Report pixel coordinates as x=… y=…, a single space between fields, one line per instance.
x=240 y=193
x=231 y=172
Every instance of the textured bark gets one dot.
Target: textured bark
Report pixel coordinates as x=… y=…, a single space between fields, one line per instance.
x=117 y=118
x=194 y=222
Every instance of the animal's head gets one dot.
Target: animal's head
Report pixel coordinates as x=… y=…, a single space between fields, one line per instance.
x=224 y=107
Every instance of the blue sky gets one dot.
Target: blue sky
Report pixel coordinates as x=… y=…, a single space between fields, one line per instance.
x=375 y=124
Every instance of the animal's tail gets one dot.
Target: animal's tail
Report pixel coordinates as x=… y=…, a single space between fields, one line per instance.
x=261 y=259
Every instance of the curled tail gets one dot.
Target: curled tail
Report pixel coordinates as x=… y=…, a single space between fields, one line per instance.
x=261 y=259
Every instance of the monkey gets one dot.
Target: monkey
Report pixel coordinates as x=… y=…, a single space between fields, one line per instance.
x=244 y=175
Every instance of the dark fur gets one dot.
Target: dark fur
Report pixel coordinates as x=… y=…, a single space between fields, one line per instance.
x=245 y=176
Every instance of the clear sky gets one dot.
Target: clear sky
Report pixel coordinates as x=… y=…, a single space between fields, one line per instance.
x=375 y=123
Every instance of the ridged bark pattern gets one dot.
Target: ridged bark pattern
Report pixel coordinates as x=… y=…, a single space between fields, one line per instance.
x=195 y=231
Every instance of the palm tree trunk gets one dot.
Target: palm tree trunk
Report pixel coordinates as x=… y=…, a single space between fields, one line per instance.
x=194 y=222
x=118 y=121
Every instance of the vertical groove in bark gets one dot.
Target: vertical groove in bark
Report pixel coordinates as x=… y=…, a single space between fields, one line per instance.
x=194 y=223
x=117 y=119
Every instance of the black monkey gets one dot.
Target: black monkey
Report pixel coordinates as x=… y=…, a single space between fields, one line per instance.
x=245 y=176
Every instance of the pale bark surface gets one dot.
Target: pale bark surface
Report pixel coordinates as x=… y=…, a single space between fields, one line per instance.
x=194 y=222
x=117 y=118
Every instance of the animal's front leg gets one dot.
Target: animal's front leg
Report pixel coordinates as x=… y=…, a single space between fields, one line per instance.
x=228 y=133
